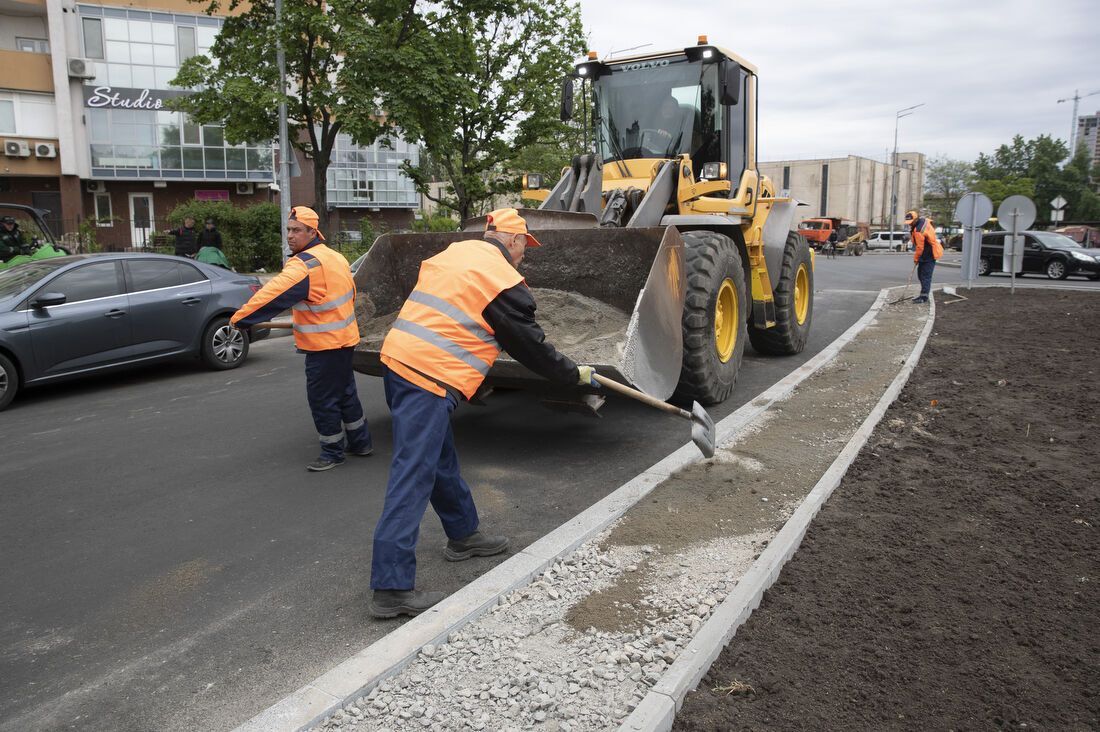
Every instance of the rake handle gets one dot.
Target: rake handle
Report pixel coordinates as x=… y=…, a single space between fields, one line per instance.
x=640 y=396
x=286 y=326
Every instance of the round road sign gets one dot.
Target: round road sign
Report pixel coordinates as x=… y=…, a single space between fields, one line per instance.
x=973 y=209
x=1023 y=208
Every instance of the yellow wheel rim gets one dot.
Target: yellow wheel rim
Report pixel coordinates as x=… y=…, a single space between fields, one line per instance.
x=801 y=294
x=726 y=320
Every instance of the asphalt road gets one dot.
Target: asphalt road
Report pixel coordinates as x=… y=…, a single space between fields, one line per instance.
x=168 y=563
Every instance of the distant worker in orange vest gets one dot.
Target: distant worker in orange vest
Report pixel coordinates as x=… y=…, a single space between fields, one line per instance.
x=926 y=250
x=317 y=285
x=469 y=304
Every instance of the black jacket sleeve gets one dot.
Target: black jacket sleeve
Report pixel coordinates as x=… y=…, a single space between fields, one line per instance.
x=511 y=315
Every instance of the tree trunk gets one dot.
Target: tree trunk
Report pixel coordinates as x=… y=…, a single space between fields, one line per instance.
x=320 y=193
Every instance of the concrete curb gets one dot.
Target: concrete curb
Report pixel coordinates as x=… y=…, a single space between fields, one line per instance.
x=658 y=709
x=387 y=656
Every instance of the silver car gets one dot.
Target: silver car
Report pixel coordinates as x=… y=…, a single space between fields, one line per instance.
x=83 y=314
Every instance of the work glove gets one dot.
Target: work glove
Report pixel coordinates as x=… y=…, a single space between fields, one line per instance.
x=585 y=376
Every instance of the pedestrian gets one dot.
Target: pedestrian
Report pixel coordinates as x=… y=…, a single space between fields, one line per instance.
x=210 y=236
x=317 y=285
x=469 y=304
x=187 y=244
x=831 y=251
x=927 y=249
x=12 y=242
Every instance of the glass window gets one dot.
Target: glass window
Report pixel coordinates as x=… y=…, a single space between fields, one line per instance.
x=170 y=158
x=115 y=29
x=119 y=75
x=118 y=52
x=141 y=53
x=186 y=38
x=103 y=156
x=143 y=77
x=213 y=135
x=164 y=56
x=164 y=77
x=103 y=209
x=215 y=158
x=86 y=283
x=205 y=37
x=192 y=158
x=235 y=159
x=7 y=116
x=190 y=273
x=141 y=31
x=99 y=125
x=33 y=45
x=93 y=37
x=153 y=274
x=169 y=134
x=164 y=33
x=191 y=132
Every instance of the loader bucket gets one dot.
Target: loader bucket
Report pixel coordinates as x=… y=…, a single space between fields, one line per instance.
x=639 y=273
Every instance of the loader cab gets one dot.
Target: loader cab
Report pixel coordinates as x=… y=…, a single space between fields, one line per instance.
x=695 y=102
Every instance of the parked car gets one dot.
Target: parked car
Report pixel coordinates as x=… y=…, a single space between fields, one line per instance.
x=895 y=241
x=1045 y=252
x=75 y=315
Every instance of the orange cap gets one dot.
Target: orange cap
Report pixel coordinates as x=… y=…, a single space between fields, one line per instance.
x=911 y=216
x=307 y=216
x=509 y=221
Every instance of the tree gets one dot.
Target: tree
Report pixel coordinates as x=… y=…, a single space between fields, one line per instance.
x=237 y=87
x=1026 y=167
x=486 y=87
x=945 y=182
x=999 y=190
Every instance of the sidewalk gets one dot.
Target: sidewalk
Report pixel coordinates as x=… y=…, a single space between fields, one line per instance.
x=575 y=631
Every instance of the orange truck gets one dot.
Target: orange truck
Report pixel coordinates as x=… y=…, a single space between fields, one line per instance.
x=817 y=231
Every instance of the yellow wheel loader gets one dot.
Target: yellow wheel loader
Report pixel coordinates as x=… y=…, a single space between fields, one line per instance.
x=666 y=219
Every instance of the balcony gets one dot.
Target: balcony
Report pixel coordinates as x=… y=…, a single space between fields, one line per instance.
x=24 y=71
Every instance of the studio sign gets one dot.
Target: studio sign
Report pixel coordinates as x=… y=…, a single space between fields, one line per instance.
x=110 y=97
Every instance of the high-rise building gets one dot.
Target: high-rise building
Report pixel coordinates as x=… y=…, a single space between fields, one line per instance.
x=1088 y=133
x=87 y=135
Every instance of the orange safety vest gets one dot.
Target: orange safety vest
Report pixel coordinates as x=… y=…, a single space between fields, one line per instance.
x=923 y=233
x=440 y=335
x=325 y=319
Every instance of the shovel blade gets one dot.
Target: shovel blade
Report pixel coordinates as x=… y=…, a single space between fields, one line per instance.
x=702 y=430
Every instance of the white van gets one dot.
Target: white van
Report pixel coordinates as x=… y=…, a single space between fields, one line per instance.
x=896 y=241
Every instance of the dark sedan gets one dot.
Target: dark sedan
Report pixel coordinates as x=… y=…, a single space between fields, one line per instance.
x=83 y=314
x=1054 y=255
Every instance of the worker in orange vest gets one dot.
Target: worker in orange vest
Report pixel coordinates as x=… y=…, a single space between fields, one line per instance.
x=470 y=303
x=316 y=284
x=926 y=250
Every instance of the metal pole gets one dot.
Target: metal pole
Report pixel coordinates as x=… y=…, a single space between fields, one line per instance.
x=284 y=139
x=975 y=244
x=894 y=180
x=1015 y=245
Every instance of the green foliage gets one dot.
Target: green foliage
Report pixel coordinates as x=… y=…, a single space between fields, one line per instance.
x=251 y=237
x=435 y=223
x=485 y=87
x=945 y=182
x=999 y=190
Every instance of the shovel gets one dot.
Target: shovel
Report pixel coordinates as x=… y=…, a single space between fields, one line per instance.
x=905 y=292
x=702 y=426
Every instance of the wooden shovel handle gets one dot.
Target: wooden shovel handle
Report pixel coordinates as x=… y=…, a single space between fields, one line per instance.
x=640 y=396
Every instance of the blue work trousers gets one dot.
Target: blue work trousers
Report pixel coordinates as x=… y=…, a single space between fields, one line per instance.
x=334 y=402
x=424 y=468
x=924 y=275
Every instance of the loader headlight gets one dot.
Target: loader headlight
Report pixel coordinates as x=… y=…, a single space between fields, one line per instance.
x=714 y=171
x=532 y=181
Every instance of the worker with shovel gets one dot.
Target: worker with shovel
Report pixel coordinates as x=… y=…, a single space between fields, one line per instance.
x=470 y=303
x=926 y=250
x=317 y=285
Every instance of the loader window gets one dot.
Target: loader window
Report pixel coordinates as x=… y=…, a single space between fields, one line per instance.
x=659 y=109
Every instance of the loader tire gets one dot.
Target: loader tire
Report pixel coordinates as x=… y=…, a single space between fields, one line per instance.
x=715 y=313
x=794 y=303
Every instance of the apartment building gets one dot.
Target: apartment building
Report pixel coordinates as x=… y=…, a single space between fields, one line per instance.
x=853 y=188
x=87 y=135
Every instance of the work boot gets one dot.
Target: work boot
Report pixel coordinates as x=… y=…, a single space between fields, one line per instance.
x=920 y=299
x=323 y=463
x=474 y=545
x=391 y=603
x=363 y=452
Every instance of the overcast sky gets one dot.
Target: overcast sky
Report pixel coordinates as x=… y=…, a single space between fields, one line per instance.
x=833 y=73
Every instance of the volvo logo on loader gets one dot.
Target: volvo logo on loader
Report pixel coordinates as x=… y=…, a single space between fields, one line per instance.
x=644 y=65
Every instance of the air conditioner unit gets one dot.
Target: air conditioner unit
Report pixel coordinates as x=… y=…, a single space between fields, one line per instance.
x=45 y=150
x=81 y=68
x=245 y=189
x=95 y=186
x=17 y=149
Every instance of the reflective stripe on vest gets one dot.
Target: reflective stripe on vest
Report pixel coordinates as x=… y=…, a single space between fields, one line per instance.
x=325 y=327
x=454 y=314
x=326 y=306
x=439 y=341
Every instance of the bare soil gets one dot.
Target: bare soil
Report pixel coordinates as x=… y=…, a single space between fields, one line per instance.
x=952 y=581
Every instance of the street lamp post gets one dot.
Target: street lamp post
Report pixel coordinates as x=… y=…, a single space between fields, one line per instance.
x=894 y=178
